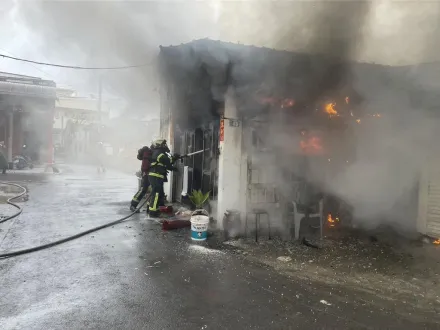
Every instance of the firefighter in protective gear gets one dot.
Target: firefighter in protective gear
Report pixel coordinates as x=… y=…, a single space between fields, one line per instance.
x=161 y=164
x=144 y=154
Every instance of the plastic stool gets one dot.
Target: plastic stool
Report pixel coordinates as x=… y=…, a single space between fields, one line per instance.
x=258 y=213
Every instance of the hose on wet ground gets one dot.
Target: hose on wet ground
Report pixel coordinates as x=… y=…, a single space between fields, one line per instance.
x=61 y=241
x=9 y=201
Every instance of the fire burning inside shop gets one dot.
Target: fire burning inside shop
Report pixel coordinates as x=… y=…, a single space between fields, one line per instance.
x=332 y=221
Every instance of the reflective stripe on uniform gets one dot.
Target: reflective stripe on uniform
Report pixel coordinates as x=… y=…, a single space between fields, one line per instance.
x=154 y=206
x=159 y=157
x=157 y=175
x=157 y=162
x=135 y=198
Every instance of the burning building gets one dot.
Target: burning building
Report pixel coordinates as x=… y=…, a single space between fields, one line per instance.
x=26 y=116
x=271 y=121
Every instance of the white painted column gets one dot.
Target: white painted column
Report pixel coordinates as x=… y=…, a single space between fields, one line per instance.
x=169 y=136
x=232 y=178
x=168 y=186
x=10 y=135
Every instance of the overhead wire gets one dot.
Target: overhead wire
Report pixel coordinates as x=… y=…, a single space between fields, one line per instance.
x=37 y=68
x=74 y=66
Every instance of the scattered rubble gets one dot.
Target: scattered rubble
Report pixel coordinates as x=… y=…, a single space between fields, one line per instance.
x=284 y=259
x=325 y=302
x=309 y=243
x=387 y=266
x=184 y=212
x=203 y=250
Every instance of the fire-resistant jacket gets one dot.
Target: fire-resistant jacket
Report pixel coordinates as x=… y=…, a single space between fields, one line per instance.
x=161 y=163
x=144 y=154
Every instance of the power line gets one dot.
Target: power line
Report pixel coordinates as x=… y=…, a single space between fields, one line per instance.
x=36 y=67
x=72 y=66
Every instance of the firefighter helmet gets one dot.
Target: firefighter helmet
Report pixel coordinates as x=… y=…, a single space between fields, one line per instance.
x=158 y=143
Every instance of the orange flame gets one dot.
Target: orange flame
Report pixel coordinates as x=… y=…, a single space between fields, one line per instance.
x=287 y=103
x=332 y=221
x=437 y=242
x=330 y=109
x=358 y=121
x=347 y=100
x=311 y=145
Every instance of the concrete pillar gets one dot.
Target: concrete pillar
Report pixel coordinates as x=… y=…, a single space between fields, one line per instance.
x=232 y=178
x=167 y=132
x=168 y=186
x=10 y=134
x=17 y=136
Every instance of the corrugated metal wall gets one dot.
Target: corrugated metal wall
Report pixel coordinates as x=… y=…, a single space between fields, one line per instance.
x=433 y=203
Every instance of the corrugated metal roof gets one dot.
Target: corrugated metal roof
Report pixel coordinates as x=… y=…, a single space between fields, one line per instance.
x=16 y=75
x=205 y=68
x=27 y=86
x=304 y=77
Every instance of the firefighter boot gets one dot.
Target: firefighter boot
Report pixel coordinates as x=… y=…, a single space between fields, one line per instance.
x=133 y=209
x=153 y=214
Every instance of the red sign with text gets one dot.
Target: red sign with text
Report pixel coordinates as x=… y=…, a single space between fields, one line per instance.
x=222 y=130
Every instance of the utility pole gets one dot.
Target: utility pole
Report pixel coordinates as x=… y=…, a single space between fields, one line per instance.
x=100 y=98
x=11 y=133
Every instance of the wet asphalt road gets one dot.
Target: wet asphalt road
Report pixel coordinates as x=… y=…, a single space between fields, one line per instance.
x=134 y=276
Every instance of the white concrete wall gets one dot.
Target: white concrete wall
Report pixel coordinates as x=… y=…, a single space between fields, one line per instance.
x=232 y=179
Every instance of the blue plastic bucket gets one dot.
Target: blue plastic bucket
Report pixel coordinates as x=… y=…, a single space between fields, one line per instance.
x=199 y=225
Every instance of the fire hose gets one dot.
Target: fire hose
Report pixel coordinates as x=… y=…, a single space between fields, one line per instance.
x=9 y=201
x=70 y=238
x=190 y=154
x=58 y=242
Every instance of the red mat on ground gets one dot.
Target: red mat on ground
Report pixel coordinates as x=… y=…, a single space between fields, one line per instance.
x=166 y=209
x=175 y=224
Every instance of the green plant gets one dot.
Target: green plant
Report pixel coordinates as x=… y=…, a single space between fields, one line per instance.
x=198 y=198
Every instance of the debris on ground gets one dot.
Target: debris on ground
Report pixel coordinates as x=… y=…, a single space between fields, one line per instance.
x=391 y=266
x=284 y=259
x=204 y=250
x=325 y=302
x=184 y=212
x=309 y=243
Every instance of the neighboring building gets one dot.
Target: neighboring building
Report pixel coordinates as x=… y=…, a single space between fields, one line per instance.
x=126 y=135
x=266 y=117
x=26 y=114
x=77 y=123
